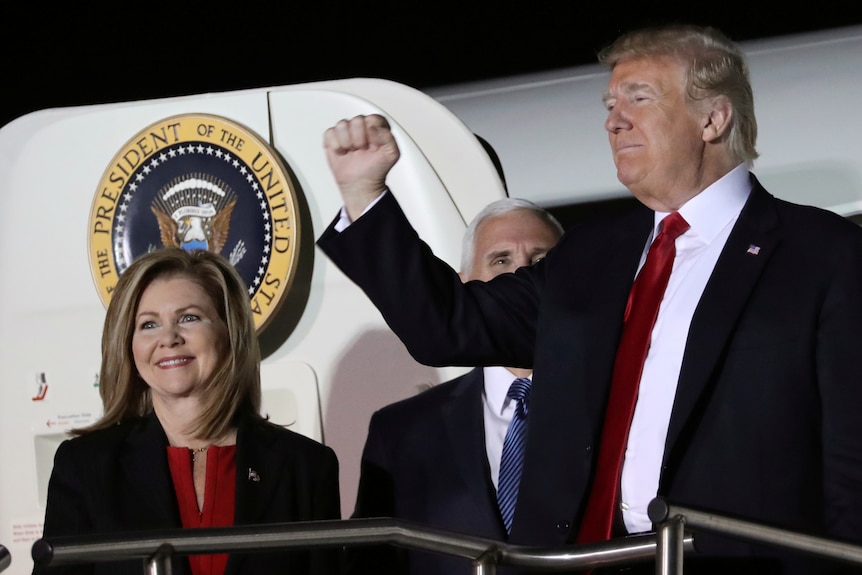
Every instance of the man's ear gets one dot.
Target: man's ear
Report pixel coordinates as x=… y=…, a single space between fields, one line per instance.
x=718 y=119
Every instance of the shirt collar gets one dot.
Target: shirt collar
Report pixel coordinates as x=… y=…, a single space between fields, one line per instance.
x=497 y=383
x=710 y=211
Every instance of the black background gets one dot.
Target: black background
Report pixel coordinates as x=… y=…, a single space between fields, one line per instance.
x=67 y=54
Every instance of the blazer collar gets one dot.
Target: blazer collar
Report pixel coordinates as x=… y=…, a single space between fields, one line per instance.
x=143 y=461
x=751 y=243
x=464 y=431
x=260 y=467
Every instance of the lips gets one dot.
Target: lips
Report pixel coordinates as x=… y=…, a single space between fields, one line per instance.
x=624 y=147
x=172 y=362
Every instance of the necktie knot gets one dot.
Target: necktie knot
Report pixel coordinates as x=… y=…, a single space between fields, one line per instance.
x=674 y=225
x=520 y=392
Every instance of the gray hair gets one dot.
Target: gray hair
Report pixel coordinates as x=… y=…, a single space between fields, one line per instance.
x=497 y=208
x=716 y=67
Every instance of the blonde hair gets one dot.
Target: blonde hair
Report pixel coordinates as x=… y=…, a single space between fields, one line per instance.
x=234 y=389
x=716 y=67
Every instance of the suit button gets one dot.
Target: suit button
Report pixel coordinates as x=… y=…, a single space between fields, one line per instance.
x=563 y=526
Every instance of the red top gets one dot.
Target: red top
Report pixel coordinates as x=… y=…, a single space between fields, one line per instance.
x=219 y=498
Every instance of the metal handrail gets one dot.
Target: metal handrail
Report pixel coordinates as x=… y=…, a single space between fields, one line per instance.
x=157 y=547
x=673 y=521
x=5 y=558
x=672 y=540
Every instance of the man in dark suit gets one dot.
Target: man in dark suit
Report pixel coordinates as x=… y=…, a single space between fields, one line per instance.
x=749 y=399
x=434 y=458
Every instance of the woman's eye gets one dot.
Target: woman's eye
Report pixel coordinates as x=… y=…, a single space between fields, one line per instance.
x=189 y=317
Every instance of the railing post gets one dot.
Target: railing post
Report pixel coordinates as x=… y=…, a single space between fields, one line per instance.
x=486 y=563
x=5 y=558
x=670 y=538
x=669 y=546
x=159 y=563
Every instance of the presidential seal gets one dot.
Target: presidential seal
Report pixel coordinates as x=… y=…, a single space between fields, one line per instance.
x=199 y=181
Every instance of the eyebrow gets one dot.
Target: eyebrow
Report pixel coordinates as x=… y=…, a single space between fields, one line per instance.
x=498 y=253
x=179 y=311
x=629 y=88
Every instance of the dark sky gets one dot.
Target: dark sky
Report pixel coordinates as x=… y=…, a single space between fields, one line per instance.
x=55 y=55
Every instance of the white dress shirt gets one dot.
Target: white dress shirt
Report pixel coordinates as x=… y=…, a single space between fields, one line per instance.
x=498 y=411
x=711 y=215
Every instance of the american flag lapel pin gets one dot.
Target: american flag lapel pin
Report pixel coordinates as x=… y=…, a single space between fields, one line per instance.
x=753 y=249
x=252 y=475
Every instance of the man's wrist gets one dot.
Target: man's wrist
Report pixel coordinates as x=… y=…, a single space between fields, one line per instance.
x=345 y=219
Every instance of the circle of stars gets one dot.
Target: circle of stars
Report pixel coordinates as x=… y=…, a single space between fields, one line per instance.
x=120 y=256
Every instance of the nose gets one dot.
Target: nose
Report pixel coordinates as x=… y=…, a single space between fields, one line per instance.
x=171 y=336
x=617 y=120
x=520 y=261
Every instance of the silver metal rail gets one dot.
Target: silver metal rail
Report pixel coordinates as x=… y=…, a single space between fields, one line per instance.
x=667 y=547
x=5 y=558
x=674 y=522
x=672 y=540
x=157 y=547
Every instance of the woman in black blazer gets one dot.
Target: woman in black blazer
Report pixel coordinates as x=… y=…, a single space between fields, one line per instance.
x=182 y=442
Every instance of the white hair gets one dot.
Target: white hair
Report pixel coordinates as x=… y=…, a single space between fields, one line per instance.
x=497 y=208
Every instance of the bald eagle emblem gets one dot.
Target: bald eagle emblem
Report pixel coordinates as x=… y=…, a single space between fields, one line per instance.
x=199 y=182
x=194 y=212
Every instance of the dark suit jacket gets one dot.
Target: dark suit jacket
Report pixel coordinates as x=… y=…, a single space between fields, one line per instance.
x=425 y=461
x=118 y=480
x=766 y=421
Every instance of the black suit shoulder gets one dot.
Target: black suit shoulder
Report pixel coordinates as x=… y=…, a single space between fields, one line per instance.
x=408 y=439
x=299 y=444
x=427 y=402
x=814 y=220
x=103 y=446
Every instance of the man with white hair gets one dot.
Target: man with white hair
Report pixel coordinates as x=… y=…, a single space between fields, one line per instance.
x=435 y=458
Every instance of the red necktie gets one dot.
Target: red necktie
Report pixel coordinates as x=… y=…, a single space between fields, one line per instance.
x=641 y=311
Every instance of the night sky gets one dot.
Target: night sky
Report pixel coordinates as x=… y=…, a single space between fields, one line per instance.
x=57 y=56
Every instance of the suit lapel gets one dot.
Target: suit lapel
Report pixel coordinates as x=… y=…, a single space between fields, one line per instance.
x=727 y=291
x=259 y=468
x=610 y=292
x=462 y=421
x=144 y=466
x=572 y=380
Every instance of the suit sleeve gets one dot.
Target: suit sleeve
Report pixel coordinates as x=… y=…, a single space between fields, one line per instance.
x=376 y=498
x=441 y=320
x=326 y=504
x=376 y=493
x=839 y=373
x=66 y=512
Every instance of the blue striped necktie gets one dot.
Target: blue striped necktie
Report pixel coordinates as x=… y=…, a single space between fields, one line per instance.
x=512 y=458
